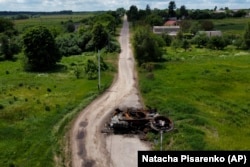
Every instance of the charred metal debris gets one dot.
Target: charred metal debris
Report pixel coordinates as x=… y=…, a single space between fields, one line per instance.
x=137 y=121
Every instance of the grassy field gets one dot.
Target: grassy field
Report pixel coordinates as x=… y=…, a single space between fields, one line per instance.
x=235 y=26
x=50 y=21
x=36 y=107
x=206 y=93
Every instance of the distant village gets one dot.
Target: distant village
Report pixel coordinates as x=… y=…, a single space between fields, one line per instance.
x=172 y=25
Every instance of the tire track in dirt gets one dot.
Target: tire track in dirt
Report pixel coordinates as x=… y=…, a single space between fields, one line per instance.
x=90 y=147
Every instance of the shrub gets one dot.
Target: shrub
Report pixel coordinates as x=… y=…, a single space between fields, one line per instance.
x=69 y=44
x=150 y=76
x=47 y=108
x=217 y=43
x=49 y=90
x=1 y=106
x=200 y=40
x=77 y=72
x=91 y=69
x=167 y=38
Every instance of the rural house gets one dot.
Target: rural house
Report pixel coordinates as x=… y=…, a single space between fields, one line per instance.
x=170 y=30
x=170 y=27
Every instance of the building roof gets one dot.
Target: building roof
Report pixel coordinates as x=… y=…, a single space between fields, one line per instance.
x=170 y=23
x=212 y=33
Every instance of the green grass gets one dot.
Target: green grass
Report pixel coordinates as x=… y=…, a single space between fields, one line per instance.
x=53 y=22
x=36 y=107
x=206 y=93
x=229 y=26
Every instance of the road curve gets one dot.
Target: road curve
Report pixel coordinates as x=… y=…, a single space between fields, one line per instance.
x=90 y=147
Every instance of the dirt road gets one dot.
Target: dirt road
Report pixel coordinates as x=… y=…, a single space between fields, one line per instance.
x=90 y=147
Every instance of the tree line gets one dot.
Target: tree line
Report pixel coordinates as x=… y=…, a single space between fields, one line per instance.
x=43 y=47
x=172 y=11
x=13 y=13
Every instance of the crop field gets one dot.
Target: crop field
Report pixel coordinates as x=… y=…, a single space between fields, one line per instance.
x=206 y=93
x=36 y=107
x=50 y=21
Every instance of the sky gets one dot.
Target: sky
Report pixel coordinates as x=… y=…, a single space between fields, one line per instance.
x=97 y=5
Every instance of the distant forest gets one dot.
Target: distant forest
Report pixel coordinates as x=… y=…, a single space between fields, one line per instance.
x=12 y=13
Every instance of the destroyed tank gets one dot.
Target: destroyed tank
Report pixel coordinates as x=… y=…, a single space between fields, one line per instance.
x=133 y=119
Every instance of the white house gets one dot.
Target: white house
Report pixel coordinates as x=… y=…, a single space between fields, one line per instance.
x=170 y=30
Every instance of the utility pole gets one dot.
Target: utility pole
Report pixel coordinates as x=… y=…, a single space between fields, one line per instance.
x=161 y=139
x=99 y=71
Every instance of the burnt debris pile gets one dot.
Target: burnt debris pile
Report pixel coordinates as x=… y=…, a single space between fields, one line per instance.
x=136 y=121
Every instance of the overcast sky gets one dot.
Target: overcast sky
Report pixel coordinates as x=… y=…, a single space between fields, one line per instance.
x=94 y=5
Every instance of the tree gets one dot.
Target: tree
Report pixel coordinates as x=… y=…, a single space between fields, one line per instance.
x=108 y=20
x=120 y=11
x=216 y=42
x=218 y=15
x=167 y=38
x=132 y=13
x=185 y=44
x=247 y=36
x=239 y=43
x=175 y=44
x=6 y=25
x=171 y=9
x=70 y=26
x=141 y=14
x=146 y=46
x=40 y=49
x=154 y=20
x=148 y=10
x=69 y=44
x=215 y=8
x=100 y=36
x=207 y=25
x=91 y=69
x=201 y=40
x=185 y=25
x=183 y=11
x=8 y=47
x=240 y=13
x=200 y=14
x=179 y=35
x=195 y=27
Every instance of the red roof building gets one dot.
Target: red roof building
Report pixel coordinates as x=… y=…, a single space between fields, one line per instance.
x=171 y=23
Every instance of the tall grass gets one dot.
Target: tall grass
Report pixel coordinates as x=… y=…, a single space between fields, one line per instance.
x=36 y=107
x=206 y=93
x=230 y=26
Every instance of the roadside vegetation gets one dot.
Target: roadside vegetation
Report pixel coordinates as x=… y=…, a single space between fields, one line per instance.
x=206 y=94
x=200 y=82
x=43 y=87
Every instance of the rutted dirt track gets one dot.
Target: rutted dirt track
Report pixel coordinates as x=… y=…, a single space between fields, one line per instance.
x=90 y=147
